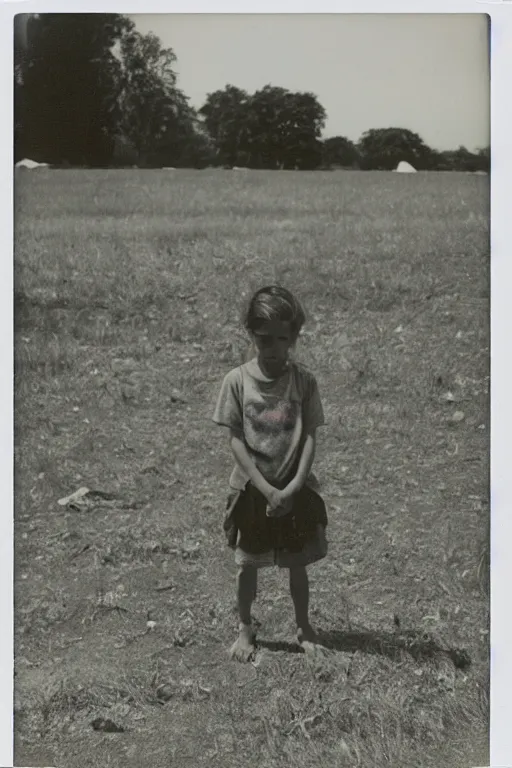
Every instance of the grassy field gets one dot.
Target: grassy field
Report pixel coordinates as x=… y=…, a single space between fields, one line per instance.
x=128 y=292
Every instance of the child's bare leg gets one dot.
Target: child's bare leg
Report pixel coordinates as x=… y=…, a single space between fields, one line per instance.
x=247 y=579
x=299 y=590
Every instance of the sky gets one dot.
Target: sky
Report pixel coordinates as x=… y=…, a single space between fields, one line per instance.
x=427 y=73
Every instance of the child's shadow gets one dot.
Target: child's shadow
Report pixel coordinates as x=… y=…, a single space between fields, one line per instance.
x=392 y=645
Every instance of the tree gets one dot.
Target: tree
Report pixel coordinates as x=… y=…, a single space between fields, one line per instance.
x=284 y=129
x=341 y=152
x=156 y=116
x=21 y=21
x=462 y=159
x=225 y=116
x=88 y=86
x=185 y=143
x=384 y=148
x=484 y=159
x=273 y=128
x=67 y=87
x=309 y=118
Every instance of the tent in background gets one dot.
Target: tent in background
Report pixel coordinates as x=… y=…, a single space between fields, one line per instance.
x=30 y=164
x=404 y=167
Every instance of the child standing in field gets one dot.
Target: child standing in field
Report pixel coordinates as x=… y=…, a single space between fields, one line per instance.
x=272 y=409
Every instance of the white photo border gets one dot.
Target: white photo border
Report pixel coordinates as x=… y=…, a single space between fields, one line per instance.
x=500 y=12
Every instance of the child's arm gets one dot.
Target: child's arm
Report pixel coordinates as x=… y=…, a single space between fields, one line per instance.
x=273 y=495
x=228 y=413
x=313 y=415
x=305 y=464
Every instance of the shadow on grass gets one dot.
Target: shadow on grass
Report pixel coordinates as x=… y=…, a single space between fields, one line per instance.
x=392 y=645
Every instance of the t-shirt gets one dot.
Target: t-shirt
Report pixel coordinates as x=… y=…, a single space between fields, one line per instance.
x=273 y=415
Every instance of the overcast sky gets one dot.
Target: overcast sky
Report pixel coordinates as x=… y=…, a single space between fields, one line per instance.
x=428 y=73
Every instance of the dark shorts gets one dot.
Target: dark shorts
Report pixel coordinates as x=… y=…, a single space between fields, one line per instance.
x=297 y=538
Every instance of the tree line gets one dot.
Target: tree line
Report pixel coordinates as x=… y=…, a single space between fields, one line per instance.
x=91 y=90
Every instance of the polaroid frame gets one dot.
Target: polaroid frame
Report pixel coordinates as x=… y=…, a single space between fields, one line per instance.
x=500 y=12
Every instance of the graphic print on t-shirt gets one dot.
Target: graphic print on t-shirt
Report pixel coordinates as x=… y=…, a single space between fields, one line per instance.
x=272 y=430
x=270 y=419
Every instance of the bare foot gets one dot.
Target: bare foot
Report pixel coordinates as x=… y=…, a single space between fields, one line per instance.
x=310 y=642
x=243 y=648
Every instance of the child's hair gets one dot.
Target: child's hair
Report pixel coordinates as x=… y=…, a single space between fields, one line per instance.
x=274 y=303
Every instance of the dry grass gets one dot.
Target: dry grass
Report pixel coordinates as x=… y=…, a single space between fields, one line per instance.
x=128 y=288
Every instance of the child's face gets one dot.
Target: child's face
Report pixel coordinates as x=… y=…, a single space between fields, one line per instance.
x=273 y=341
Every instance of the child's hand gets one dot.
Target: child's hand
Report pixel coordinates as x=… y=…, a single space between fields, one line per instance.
x=279 y=503
x=274 y=499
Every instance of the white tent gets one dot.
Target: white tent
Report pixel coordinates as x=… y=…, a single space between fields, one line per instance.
x=404 y=167
x=30 y=164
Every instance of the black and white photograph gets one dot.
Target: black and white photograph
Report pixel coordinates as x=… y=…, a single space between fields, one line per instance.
x=252 y=390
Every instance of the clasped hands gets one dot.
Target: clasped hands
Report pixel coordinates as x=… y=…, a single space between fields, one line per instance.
x=280 y=502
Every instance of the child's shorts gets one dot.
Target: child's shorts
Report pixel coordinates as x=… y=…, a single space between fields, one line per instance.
x=313 y=550
x=296 y=539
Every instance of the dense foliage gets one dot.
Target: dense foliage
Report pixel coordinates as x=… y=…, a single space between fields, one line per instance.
x=90 y=90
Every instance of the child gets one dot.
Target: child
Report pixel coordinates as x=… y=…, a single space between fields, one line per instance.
x=272 y=408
